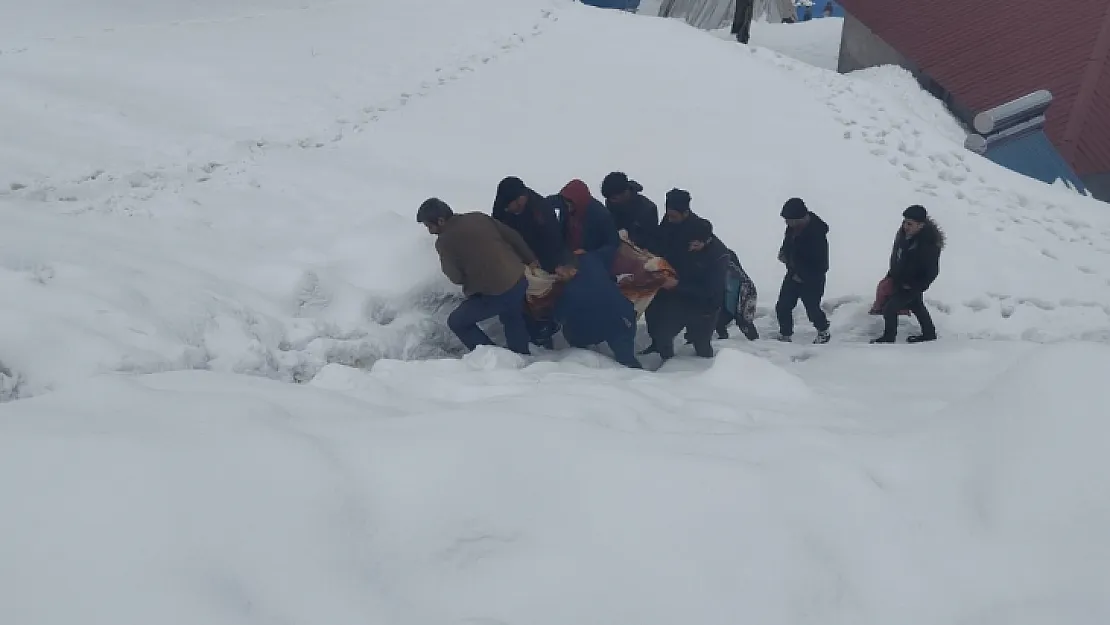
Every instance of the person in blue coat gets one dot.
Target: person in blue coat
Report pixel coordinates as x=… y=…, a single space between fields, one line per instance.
x=587 y=224
x=592 y=310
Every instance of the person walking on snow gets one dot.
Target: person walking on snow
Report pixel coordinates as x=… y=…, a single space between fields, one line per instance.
x=693 y=301
x=805 y=252
x=914 y=266
x=487 y=258
x=586 y=223
x=533 y=217
x=633 y=213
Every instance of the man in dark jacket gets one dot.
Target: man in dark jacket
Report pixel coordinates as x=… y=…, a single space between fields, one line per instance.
x=592 y=310
x=586 y=223
x=487 y=258
x=805 y=252
x=632 y=212
x=694 y=301
x=527 y=212
x=914 y=265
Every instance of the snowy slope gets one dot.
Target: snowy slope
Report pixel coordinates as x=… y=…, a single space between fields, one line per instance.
x=230 y=187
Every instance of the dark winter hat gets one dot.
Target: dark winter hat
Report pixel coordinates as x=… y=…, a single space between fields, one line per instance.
x=916 y=213
x=700 y=230
x=678 y=200
x=794 y=208
x=508 y=190
x=614 y=183
x=432 y=210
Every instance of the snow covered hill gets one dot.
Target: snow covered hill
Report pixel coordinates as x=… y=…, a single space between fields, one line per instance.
x=197 y=191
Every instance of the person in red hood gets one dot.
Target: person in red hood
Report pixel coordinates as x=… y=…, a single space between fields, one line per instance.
x=587 y=224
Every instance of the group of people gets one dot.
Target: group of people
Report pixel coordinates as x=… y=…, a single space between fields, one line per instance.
x=542 y=265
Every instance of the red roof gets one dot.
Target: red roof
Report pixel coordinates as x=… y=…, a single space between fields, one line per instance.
x=987 y=53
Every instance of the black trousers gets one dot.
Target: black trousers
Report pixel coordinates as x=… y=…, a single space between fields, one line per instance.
x=668 y=315
x=742 y=20
x=810 y=293
x=914 y=301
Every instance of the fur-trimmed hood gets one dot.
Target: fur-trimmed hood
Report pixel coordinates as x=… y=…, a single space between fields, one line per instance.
x=930 y=234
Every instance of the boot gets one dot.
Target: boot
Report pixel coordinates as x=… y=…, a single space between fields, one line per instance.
x=921 y=338
x=882 y=339
x=785 y=338
x=750 y=332
x=822 y=337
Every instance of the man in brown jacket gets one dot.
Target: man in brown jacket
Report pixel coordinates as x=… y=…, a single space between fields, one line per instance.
x=487 y=258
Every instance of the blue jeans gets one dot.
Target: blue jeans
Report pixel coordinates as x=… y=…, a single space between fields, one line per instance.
x=508 y=307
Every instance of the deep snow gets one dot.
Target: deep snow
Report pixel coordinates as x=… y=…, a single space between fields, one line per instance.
x=230 y=187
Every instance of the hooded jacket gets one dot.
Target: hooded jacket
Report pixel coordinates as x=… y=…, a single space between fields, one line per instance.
x=586 y=223
x=639 y=216
x=806 y=252
x=540 y=229
x=915 y=261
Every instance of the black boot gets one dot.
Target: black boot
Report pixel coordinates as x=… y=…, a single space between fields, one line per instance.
x=921 y=338
x=883 y=339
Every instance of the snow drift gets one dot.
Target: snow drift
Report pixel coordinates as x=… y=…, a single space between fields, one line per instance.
x=191 y=193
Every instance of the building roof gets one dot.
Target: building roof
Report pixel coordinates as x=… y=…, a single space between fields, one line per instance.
x=986 y=53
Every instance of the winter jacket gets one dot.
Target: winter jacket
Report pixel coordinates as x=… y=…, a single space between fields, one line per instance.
x=539 y=227
x=673 y=239
x=639 y=216
x=481 y=254
x=588 y=225
x=915 y=261
x=592 y=307
x=703 y=276
x=806 y=252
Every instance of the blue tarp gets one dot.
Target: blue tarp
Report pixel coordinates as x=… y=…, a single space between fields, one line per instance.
x=819 y=9
x=1033 y=155
x=624 y=5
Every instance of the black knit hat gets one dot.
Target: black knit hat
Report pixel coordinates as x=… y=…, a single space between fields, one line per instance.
x=508 y=190
x=678 y=200
x=614 y=183
x=794 y=208
x=916 y=213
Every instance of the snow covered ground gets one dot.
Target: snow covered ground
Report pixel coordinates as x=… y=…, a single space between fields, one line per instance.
x=195 y=192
